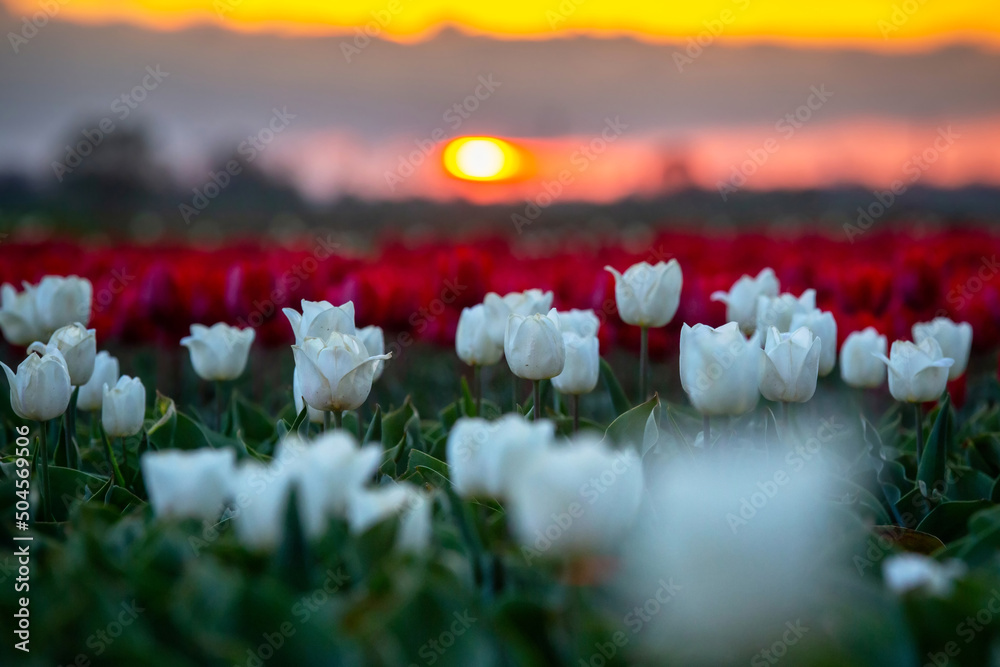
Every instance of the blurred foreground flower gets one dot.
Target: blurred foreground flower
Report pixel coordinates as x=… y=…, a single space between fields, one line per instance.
x=219 y=352
x=912 y=571
x=485 y=457
x=189 y=484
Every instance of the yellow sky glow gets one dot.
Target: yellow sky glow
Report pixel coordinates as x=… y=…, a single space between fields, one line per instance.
x=877 y=24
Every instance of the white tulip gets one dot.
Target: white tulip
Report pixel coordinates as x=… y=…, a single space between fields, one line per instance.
x=581 y=322
x=824 y=327
x=374 y=342
x=955 y=341
x=41 y=388
x=485 y=457
x=219 y=352
x=124 y=407
x=790 y=366
x=336 y=374
x=778 y=311
x=416 y=524
x=859 y=365
x=90 y=397
x=18 y=318
x=907 y=572
x=78 y=345
x=367 y=507
x=315 y=416
x=473 y=343
x=581 y=498
x=534 y=346
x=742 y=298
x=60 y=301
x=320 y=318
x=583 y=364
x=499 y=309
x=720 y=369
x=646 y=295
x=917 y=372
x=189 y=484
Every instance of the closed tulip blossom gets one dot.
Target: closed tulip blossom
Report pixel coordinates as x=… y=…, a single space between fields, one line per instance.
x=60 y=301
x=124 y=407
x=790 y=366
x=374 y=342
x=40 y=390
x=320 y=318
x=78 y=346
x=18 y=318
x=484 y=457
x=824 y=327
x=581 y=322
x=500 y=308
x=720 y=370
x=534 y=349
x=918 y=372
x=315 y=416
x=473 y=342
x=647 y=296
x=742 y=298
x=219 y=352
x=860 y=363
x=189 y=484
x=954 y=338
x=778 y=311
x=581 y=371
x=90 y=396
x=336 y=374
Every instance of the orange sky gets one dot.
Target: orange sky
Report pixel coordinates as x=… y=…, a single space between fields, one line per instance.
x=877 y=24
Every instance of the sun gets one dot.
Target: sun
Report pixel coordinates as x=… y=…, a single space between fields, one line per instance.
x=480 y=159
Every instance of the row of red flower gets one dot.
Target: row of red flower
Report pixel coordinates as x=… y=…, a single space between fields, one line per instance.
x=153 y=293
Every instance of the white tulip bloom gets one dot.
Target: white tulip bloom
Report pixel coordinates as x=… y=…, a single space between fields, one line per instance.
x=907 y=572
x=313 y=415
x=78 y=345
x=18 y=318
x=374 y=342
x=90 y=397
x=743 y=297
x=581 y=498
x=336 y=374
x=41 y=388
x=219 y=352
x=917 y=372
x=646 y=295
x=720 y=369
x=955 y=340
x=790 y=366
x=534 y=346
x=60 y=301
x=484 y=457
x=778 y=311
x=860 y=364
x=124 y=407
x=824 y=327
x=189 y=484
x=583 y=365
x=581 y=322
x=473 y=342
x=367 y=507
x=500 y=308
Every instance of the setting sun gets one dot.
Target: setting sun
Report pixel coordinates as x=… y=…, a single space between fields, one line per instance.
x=481 y=159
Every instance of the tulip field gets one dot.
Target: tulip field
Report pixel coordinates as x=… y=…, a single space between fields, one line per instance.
x=667 y=448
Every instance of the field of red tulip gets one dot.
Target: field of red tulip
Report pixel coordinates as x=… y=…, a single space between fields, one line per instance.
x=688 y=448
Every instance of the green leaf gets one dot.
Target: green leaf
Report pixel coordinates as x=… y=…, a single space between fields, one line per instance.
x=933 y=467
x=254 y=424
x=419 y=459
x=467 y=402
x=161 y=432
x=908 y=539
x=638 y=427
x=300 y=419
x=69 y=486
x=374 y=433
x=394 y=424
x=618 y=398
x=949 y=521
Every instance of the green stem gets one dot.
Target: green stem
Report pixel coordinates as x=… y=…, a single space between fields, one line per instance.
x=72 y=450
x=119 y=480
x=338 y=419
x=326 y=421
x=477 y=387
x=919 y=414
x=643 y=361
x=536 y=392
x=218 y=405
x=43 y=447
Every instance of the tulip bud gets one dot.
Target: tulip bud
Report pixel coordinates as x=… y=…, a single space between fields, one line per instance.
x=41 y=388
x=648 y=296
x=955 y=341
x=484 y=457
x=534 y=346
x=78 y=346
x=583 y=365
x=720 y=369
x=581 y=322
x=320 y=318
x=124 y=407
x=60 y=301
x=90 y=397
x=472 y=338
x=18 y=318
x=824 y=327
x=219 y=352
x=859 y=363
x=189 y=484
x=336 y=374
x=577 y=499
x=742 y=298
x=917 y=372
x=499 y=309
x=778 y=311
x=374 y=342
x=790 y=366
